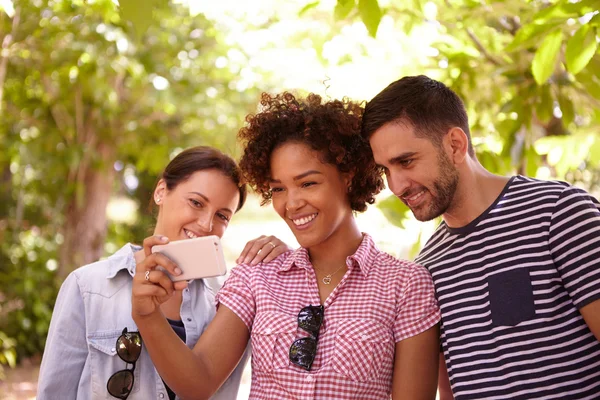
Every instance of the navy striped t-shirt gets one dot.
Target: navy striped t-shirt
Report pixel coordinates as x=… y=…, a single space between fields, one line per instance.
x=510 y=285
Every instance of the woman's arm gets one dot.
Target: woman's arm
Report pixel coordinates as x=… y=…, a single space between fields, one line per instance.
x=192 y=374
x=416 y=366
x=444 y=388
x=66 y=347
x=197 y=373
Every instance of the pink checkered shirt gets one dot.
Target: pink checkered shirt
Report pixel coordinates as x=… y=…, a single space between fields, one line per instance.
x=379 y=302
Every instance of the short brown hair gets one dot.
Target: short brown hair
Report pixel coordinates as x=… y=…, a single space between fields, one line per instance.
x=428 y=105
x=330 y=127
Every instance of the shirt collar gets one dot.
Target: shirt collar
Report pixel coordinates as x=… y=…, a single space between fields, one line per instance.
x=364 y=257
x=122 y=259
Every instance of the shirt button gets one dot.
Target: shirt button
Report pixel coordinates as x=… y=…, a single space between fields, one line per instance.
x=310 y=378
x=161 y=395
x=189 y=320
x=268 y=331
x=113 y=350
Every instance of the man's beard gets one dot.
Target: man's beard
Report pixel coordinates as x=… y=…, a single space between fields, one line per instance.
x=445 y=189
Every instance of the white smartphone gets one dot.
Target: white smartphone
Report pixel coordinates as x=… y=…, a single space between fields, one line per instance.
x=197 y=258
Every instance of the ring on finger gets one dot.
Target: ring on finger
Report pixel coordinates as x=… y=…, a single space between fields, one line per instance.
x=271 y=243
x=147 y=276
x=258 y=252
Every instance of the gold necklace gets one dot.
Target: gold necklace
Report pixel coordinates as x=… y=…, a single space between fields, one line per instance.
x=327 y=278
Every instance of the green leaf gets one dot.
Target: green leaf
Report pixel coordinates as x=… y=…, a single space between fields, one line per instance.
x=567 y=108
x=545 y=105
x=370 y=13
x=139 y=13
x=581 y=48
x=594 y=65
x=544 y=62
x=418 y=6
x=590 y=82
x=532 y=161
x=528 y=36
x=394 y=210
x=581 y=7
x=557 y=11
x=308 y=7
x=343 y=8
x=11 y=357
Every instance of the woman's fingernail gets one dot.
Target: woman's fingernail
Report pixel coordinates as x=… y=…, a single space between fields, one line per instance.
x=177 y=271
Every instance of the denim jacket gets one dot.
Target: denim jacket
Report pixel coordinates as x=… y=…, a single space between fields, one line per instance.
x=92 y=308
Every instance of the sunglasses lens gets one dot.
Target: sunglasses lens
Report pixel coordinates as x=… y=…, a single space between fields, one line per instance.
x=129 y=346
x=120 y=384
x=310 y=318
x=303 y=351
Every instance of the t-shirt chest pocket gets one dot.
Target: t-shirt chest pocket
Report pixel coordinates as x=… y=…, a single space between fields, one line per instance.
x=105 y=362
x=511 y=297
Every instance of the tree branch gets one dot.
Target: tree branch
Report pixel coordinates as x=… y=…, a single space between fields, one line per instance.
x=481 y=48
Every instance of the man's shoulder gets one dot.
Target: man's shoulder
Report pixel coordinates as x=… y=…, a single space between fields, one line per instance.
x=521 y=182
x=553 y=191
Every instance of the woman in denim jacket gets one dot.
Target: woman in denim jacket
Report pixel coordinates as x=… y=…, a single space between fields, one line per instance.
x=197 y=195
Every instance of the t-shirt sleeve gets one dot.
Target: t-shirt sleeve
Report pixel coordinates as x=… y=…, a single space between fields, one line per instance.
x=236 y=294
x=575 y=244
x=417 y=308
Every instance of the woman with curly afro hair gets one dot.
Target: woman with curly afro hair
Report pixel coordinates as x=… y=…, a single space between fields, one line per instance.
x=335 y=319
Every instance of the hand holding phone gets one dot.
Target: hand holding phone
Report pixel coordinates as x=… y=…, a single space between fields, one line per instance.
x=197 y=258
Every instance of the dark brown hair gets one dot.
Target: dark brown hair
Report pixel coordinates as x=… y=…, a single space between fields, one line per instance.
x=428 y=105
x=201 y=158
x=331 y=128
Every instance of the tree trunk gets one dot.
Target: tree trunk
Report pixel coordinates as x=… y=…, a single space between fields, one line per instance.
x=85 y=224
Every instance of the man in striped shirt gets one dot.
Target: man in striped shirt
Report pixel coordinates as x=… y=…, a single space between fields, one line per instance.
x=515 y=262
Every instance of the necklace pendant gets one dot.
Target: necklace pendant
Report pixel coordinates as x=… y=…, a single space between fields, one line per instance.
x=327 y=280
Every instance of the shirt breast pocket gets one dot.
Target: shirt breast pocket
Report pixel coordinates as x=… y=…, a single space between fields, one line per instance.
x=104 y=362
x=511 y=297
x=272 y=336
x=364 y=349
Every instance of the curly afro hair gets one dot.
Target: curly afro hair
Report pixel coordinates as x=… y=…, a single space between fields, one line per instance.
x=332 y=128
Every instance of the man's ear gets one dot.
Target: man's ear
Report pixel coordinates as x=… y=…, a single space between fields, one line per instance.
x=457 y=144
